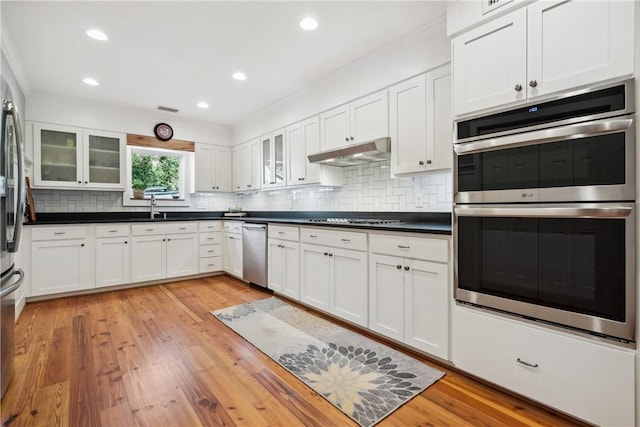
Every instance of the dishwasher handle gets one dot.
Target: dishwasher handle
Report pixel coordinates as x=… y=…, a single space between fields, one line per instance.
x=254 y=226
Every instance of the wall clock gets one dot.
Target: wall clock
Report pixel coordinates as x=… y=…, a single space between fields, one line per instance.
x=163 y=131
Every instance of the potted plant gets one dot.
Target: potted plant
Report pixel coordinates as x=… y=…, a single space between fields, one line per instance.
x=141 y=174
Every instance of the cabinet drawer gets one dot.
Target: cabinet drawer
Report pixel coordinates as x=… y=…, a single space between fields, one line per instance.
x=427 y=249
x=284 y=232
x=336 y=238
x=58 y=233
x=182 y=227
x=115 y=230
x=210 y=250
x=233 y=226
x=210 y=238
x=209 y=226
x=555 y=368
x=151 y=228
x=210 y=264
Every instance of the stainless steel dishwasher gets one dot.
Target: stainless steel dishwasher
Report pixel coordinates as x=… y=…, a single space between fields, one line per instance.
x=254 y=253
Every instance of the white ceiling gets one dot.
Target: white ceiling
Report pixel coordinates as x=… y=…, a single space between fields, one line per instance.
x=177 y=53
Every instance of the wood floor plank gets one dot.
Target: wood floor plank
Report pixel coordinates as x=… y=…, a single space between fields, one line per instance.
x=155 y=356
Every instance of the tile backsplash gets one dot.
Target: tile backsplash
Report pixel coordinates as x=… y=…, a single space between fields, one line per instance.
x=366 y=187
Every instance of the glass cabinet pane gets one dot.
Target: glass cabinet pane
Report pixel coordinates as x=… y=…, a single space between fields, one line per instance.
x=58 y=156
x=104 y=159
x=266 y=161
x=278 y=141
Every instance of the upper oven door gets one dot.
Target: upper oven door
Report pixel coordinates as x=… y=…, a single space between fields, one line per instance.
x=583 y=162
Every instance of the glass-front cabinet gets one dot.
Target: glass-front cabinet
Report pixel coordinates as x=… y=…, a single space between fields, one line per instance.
x=71 y=157
x=273 y=166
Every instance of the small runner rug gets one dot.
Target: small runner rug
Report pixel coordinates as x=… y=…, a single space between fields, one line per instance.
x=363 y=378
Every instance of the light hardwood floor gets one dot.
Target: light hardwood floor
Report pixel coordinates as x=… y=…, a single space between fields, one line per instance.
x=154 y=356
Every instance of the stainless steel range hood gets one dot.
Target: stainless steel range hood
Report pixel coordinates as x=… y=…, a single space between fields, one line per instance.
x=356 y=154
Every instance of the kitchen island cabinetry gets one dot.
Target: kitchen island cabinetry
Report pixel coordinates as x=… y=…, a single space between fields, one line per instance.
x=164 y=250
x=284 y=260
x=213 y=168
x=232 y=248
x=409 y=291
x=67 y=157
x=542 y=49
x=585 y=378
x=303 y=138
x=113 y=255
x=420 y=123
x=364 y=119
x=334 y=272
x=62 y=259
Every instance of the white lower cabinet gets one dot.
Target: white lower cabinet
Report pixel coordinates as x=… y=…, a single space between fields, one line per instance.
x=409 y=298
x=283 y=255
x=232 y=248
x=164 y=250
x=587 y=379
x=62 y=259
x=334 y=279
x=113 y=255
x=210 y=249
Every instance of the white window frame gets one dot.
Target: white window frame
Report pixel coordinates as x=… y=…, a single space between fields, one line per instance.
x=187 y=179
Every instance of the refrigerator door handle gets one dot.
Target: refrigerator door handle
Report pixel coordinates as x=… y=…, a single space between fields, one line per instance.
x=9 y=289
x=9 y=109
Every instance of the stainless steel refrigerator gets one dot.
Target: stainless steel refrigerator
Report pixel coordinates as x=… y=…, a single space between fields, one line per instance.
x=12 y=197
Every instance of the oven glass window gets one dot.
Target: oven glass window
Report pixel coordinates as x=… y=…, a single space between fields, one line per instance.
x=596 y=160
x=570 y=264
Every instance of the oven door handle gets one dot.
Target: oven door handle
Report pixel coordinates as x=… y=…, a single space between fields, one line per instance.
x=610 y=211
x=546 y=135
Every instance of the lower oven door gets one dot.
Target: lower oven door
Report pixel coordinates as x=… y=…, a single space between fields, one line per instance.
x=572 y=265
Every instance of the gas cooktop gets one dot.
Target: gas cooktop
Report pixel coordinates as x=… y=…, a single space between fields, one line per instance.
x=364 y=221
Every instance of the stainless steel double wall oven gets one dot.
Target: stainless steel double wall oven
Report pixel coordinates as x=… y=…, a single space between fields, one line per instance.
x=544 y=211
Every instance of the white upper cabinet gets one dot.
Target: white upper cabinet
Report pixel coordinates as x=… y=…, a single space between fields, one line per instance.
x=246 y=166
x=273 y=166
x=542 y=49
x=68 y=157
x=213 y=168
x=361 y=120
x=420 y=123
x=303 y=138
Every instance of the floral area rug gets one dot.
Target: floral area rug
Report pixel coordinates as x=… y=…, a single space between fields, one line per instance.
x=363 y=378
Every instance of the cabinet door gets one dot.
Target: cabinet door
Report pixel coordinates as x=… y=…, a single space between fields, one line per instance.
x=250 y=163
x=297 y=155
x=205 y=167
x=148 y=255
x=267 y=159
x=490 y=64
x=386 y=296
x=57 y=152
x=369 y=117
x=182 y=254
x=222 y=169
x=104 y=159
x=439 y=121
x=349 y=285
x=575 y=43
x=291 y=270
x=335 y=128
x=311 y=138
x=227 y=253
x=426 y=307
x=273 y=170
x=408 y=126
x=276 y=266
x=237 y=265
x=113 y=261
x=61 y=266
x=314 y=283
x=237 y=169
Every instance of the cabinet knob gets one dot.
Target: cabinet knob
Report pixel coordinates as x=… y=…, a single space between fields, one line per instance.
x=399 y=267
x=82 y=245
x=428 y=162
x=164 y=240
x=406 y=268
x=125 y=242
x=346 y=139
x=326 y=253
x=79 y=182
x=301 y=179
x=248 y=185
x=351 y=138
x=330 y=254
x=518 y=87
x=86 y=182
x=421 y=163
x=533 y=83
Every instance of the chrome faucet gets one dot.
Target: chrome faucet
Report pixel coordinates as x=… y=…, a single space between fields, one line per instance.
x=153 y=204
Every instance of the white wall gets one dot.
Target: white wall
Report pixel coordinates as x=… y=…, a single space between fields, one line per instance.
x=416 y=52
x=72 y=112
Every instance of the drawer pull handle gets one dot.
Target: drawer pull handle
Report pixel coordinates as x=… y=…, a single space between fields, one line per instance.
x=404 y=247
x=113 y=231
x=182 y=228
x=346 y=240
x=60 y=233
x=525 y=363
x=211 y=238
x=211 y=251
x=280 y=232
x=210 y=265
x=148 y=229
x=312 y=235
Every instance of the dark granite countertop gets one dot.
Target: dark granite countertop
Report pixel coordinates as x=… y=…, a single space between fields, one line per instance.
x=418 y=222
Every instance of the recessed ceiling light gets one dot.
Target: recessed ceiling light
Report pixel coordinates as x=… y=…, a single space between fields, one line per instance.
x=239 y=76
x=309 y=24
x=203 y=105
x=97 y=34
x=91 y=82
